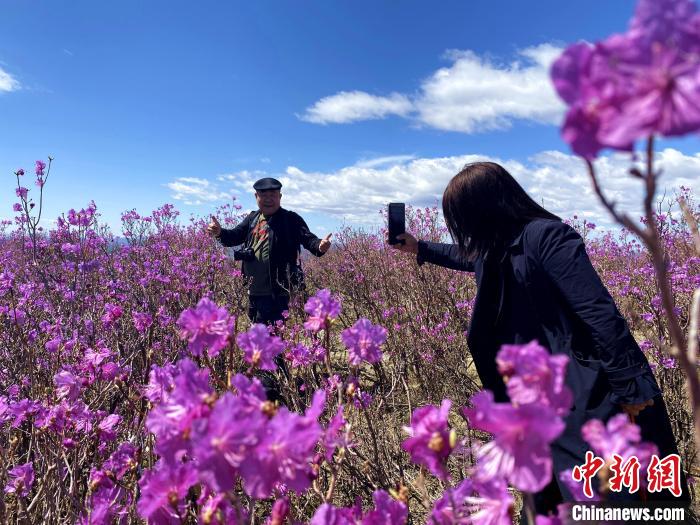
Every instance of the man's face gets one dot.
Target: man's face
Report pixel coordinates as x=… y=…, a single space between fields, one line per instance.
x=268 y=201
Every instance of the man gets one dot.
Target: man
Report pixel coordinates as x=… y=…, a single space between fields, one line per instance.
x=271 y=237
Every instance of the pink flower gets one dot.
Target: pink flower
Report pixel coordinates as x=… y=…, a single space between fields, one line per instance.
x=429 y=443
x=667 y=22
x=162 y=491
x=20 y=480
x=636 y=84
x=220 y=446
x=283 y=455
x=519 y=451
x=301 y=355
x=533 y=375
x=122 y=460
x=328 y=514
x=112 y=313
x=160 y=383
x=40 y=167
x=172 y=420
x=321 y=308
x=666 y=100
x=280 y=510
x=259 y=347
x=335 y=435
x=217 y=510
x=386 y=511
x=250 y=392
x=363 y=341
x=107 y=427
x=620 y=436
x=142 y=321
x=68 y=386
x=21 y=192
x=474 y=502
x=205 y=326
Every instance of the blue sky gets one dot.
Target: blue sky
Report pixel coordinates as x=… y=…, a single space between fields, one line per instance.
x=352 y=104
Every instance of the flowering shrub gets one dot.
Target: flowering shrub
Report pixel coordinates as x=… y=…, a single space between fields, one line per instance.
x=129 y=386
x=130 y=377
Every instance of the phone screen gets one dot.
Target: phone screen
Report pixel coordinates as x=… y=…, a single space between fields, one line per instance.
x=397 y=221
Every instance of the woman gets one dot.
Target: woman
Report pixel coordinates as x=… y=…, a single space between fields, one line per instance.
x=536 y=282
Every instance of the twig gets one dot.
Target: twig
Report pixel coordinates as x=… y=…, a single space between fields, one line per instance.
x=693 y=336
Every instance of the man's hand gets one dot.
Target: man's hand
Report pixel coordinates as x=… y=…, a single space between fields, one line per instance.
x=325 y=243
x=410 y=244
x=634 y=410
x=214 y=228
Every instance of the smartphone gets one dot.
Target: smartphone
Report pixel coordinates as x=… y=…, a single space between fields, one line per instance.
x=397 y=222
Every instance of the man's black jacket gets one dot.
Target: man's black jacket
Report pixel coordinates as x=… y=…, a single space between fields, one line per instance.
x=287 y=231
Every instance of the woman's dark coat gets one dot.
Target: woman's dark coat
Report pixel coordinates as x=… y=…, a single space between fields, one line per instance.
x=542 y=286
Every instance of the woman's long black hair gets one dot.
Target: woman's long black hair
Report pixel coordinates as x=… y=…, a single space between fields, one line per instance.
x=485 y=207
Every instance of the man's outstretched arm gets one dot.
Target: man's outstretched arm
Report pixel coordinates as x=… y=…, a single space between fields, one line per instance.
x=236 y=235
x=309 y=241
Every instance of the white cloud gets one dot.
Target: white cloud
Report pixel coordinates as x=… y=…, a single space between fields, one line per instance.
x=472 y=94
x=383 y=161
x=243 y=180
x=355 y=194
x=8 y=82
x=563 y=181
x=351 y=106
x=475 y=94
x=557 y=180
x=195 y=191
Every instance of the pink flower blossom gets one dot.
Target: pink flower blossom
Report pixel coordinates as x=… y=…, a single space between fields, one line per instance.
x=429 y=443
x=519 y=451
x=217 y=510
x=386 y=511
x=112 y=313
x=205 y=327
x=474 y=502
x=363 y=341
x=335 y=435
x=162 y=491
x=284 y=453
x=107 y=427
x=220 y=446
x=68 y=386
x=321 y=308
x=328 y=514
x=20 y=480
x=259 y=347
x=142 y=321
x=173 y=418
x=534 y=376
x=636 y=84
x=302 y=355
x=620 y=436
